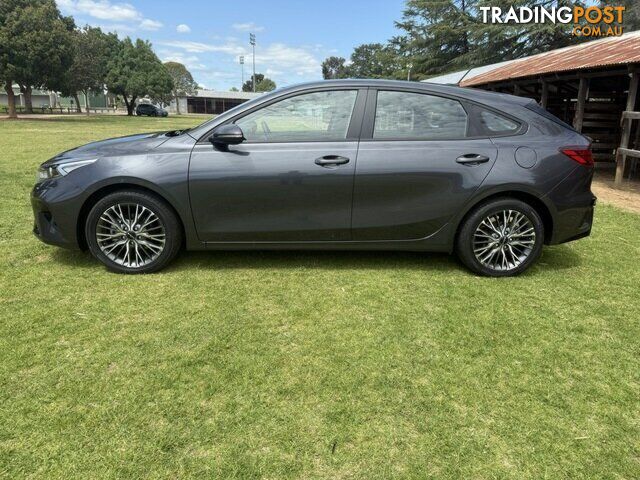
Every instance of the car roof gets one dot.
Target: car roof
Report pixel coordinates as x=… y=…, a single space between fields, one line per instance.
x=463 y=92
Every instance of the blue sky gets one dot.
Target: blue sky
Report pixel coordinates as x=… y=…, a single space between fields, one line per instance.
x=293 y=37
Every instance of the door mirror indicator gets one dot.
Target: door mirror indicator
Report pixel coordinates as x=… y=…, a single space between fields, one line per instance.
x=225 y=135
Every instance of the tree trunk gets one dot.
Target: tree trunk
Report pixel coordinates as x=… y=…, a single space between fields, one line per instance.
x=177 y=105
x=130 y=104
x=11 y=99
x=28 y=104
x=78 y=108
x=86 y=101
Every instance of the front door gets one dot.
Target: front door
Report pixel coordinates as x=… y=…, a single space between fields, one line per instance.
x=290 y=181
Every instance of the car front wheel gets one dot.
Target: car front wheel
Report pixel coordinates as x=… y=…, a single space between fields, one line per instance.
x=501 y=238
x=133 y=232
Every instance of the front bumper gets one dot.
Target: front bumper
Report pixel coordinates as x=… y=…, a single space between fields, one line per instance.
x=51 y=224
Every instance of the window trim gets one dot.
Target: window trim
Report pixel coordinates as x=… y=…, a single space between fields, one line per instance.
x=353 y=129
x=468 y=105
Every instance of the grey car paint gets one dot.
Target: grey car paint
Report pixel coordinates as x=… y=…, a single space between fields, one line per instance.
x=407 y=195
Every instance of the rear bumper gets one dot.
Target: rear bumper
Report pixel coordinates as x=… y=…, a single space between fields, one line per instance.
x=574 y=206
x=574 y=224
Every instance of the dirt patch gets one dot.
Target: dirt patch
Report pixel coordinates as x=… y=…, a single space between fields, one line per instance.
x=627 y=196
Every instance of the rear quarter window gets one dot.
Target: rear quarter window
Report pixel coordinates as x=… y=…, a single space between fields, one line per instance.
x=534 y=107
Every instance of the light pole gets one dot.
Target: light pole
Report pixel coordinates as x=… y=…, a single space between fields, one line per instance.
x=252 y=41
x=409 y=66
x=242 y=68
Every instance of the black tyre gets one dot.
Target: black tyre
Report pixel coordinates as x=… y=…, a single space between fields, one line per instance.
x=133 y=232
x=500 y=238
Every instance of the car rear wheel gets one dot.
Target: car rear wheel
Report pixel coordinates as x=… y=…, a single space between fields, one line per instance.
x=501 y=238
x=133 y=232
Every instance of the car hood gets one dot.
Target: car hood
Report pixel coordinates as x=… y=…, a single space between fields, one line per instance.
x=137 y=144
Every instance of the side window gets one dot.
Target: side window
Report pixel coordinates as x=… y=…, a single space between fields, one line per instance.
x=493 y=124
x=418 y=116
x=319 y=116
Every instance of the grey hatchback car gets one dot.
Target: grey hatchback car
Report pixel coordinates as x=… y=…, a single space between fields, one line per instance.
x=347 y=164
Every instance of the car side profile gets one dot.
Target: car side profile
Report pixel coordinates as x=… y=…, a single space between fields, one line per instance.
x=343 y=165
x=149 y=110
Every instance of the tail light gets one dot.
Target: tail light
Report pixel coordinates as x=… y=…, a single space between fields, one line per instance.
x=579 y=154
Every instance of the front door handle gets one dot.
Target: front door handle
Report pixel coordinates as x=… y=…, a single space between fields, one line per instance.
x=331 y=160
x=472 y=159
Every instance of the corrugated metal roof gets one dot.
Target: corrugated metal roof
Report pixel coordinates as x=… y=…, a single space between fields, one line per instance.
x=456 y=77
x=596 y=53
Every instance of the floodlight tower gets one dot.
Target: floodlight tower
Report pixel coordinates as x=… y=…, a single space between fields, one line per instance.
x=252 y=41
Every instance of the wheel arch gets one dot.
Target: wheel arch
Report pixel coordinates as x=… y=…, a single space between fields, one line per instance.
x=105 y=190
x=525 y=196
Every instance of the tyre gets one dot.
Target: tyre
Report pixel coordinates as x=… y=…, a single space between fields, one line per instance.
x=133 y=232
x=500 y=238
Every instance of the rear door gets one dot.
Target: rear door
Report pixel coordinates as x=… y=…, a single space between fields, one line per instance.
x=290 y=181
x=418 y=163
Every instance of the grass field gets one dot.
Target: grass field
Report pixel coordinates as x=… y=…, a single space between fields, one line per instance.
x=310 y=365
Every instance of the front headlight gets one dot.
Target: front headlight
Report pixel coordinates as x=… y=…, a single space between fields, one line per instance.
x=53 y=171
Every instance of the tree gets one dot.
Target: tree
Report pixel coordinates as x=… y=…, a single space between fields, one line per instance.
x=437 y=34
x=136 y=71
x=233 y=89
x=334 y=67
x=631 y=12
x=263 y=84
x=183 y=82
x=92 y=50
x=36 y=47
x=374 y=60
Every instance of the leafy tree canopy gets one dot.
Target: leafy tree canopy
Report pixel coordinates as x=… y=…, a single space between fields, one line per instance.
x=36 y=45
x=263 y=84
x=334 y=67
x=92 y=50
x=136 y=71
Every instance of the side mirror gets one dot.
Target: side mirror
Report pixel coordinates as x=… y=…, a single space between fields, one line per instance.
x=225 y=135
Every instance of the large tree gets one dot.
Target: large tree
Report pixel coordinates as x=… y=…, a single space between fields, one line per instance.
x=36 y=47
x=436 y=32
x=183 y=82
x=374 y=60
x=135 y=71
x=631 y=16
x=92 y=50
x=334 y=67
x=263 y=84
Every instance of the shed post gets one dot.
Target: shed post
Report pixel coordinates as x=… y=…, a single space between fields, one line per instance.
x=621 y=158
x=544 y=95
x=582 y=99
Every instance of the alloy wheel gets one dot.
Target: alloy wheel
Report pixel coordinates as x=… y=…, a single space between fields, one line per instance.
x=130 y=234
x=504 y=240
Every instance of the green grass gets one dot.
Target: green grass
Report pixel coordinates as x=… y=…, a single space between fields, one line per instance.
x=310 y=365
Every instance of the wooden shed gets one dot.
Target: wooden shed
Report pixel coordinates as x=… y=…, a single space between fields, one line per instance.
x=593 y=86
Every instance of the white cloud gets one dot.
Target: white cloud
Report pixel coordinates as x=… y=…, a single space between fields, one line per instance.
x=120 y=13
x=148 y=24
x=192 y=62
x=284 y=63
x=183 y=28
x=198 y=47
x=102 y=9
x=247 y=27
x=118 y=28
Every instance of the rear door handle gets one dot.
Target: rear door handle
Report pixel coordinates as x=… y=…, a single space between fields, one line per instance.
x=331 y=160
x=472 y=159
